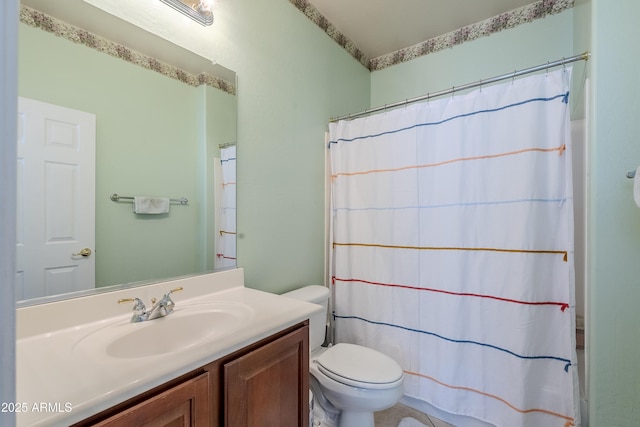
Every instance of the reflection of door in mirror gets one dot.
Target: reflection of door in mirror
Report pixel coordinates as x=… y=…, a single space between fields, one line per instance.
x=55 y=200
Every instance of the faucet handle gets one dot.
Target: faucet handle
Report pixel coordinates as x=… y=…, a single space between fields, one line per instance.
x=139 y=310
x=137 y=303
x=178 y=289
x=167 y=303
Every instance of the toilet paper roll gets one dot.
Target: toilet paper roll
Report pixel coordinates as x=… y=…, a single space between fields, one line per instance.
x=636 y=187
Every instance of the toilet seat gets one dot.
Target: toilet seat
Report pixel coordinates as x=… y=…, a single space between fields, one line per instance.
x=359 y=366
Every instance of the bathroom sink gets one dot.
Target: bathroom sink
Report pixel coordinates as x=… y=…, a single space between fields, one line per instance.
x=186 y=327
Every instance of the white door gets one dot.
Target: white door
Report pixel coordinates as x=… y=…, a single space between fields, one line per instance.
x=55 y=200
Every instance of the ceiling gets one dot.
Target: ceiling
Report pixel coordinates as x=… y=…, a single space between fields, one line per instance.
x=379 y=27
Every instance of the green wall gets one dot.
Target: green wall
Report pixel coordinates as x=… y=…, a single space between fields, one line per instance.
x=292 y=78
x=614 y=385
x=151 y=140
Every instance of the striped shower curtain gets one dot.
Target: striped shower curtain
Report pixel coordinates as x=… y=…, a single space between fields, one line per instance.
x=226 y=235
x=452 y=248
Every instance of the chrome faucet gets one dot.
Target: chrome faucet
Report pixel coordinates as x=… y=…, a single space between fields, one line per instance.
x=161 y=308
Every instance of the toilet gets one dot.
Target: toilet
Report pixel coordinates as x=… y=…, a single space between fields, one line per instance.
x=349 y=382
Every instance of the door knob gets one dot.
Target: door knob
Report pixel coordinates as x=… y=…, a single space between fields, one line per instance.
x=83 y=252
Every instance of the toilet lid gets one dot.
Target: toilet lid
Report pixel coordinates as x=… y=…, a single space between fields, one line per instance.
x=359 y=366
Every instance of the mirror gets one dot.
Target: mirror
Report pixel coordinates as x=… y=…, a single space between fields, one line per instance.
x=165 y=127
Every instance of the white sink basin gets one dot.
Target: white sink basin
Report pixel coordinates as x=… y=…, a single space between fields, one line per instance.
x=185 y=327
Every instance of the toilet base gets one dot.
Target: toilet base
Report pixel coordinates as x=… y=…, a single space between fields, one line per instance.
x=324 y=413
x=320 y=418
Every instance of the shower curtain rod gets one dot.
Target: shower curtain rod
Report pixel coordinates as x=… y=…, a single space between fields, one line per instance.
x=582 y=57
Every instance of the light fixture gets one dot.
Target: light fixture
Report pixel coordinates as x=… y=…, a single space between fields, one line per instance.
x=198 y=10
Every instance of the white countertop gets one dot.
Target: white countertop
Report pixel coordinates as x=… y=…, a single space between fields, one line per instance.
x=59 y=385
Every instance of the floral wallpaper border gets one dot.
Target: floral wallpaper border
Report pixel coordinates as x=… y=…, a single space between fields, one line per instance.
x=52 y=25
x=513 y=18
x=314 y=15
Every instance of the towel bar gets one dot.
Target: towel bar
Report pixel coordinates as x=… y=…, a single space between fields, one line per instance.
x=116 y=198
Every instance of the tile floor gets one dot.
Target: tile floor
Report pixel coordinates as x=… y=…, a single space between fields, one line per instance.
x=392 y=417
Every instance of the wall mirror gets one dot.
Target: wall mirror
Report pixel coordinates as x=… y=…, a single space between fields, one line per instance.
x=165 y=126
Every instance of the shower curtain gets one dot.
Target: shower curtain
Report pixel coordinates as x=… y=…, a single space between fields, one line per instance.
x=226 y=235
x=452 y=248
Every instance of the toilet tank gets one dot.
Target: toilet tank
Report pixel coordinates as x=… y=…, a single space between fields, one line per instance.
x=315 y=294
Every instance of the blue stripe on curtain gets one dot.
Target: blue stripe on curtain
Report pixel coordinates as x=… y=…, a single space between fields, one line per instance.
x=566 y=362
x=452 y=248
x=564 y=97
x=497 y=202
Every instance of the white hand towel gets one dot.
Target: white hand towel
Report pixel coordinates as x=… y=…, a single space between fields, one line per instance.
x=636 y=187
x=150 y=205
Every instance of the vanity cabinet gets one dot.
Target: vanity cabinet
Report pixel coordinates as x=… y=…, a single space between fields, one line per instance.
x=265 y=384
x=186 y=404
x=269 y=385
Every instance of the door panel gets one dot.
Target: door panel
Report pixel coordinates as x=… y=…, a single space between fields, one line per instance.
x=56 y=200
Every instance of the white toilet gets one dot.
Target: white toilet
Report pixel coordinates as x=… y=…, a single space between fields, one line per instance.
x=349 y=382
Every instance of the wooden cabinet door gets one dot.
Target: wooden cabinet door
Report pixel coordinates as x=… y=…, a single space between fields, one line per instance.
x=186 y=404
x=269 y=386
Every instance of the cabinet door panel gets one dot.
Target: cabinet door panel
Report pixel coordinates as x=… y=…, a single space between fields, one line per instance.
x=269 y=387
x=185 y=405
